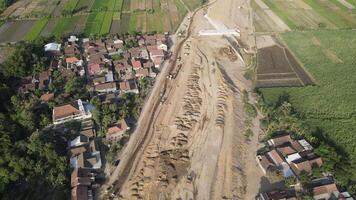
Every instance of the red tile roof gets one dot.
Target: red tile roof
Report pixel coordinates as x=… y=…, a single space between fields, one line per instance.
x=72 y=60
x=136 y=64
x=65 y=111
x=276 y=157
x=47 y=97
x=325 y=189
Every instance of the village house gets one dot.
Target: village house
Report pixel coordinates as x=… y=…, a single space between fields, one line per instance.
x=82 y=177
x=278 y=195
x=156 y=53
x=78 y=141
x=86 y=156
x=77 y=110
x=136 y=64
x=71 y=50
x=142 y=72
x=144 y=54
x=150 y=40
x=135 y=52
x=162 y=46
x=105 y=87
x=81 y=193
x=157 y=61
x=73 y=39
x=96 y=68
x=107 y=98
x=73 y=62
x=128 y=86
x=53 y=49
x=88 y=132
x=47 y=97
x=279 y=140
x=27 y=85
x=324 y=191
x=116 y=131
x=149 y=64
x=121 y=65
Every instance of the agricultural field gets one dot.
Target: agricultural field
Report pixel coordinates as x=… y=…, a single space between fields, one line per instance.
x=11 y=31
x=277 y=67
x=92 y=17
x=65 y=26
x=330 y=105
x=36 y=29
x=193 y=4
x=306 y=14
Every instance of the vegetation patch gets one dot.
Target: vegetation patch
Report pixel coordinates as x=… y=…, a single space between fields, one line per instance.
x=106 y=24
x=94 y=23
x=193 y=4
x=330 y=105
x=69 y=7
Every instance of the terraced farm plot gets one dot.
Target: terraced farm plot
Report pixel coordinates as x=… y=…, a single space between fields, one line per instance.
x=277 y=67
x=330 y=104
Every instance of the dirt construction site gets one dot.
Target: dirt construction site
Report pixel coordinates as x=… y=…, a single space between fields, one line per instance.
x=189 y=142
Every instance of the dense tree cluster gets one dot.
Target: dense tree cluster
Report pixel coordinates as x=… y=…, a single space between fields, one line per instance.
x=32 y=166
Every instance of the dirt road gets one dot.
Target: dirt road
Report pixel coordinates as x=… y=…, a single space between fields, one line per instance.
x=192 y=145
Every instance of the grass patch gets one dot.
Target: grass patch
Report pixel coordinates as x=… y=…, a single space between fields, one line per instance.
x=71 y=5
x=331 y=104
x=193 y=4
x=36 y=29
x=84 y=5
x=353 y=2
x=339 y=17
x=133 y=22
x=126 y=5
x=100 y=5
x=118 y=5
x=106 y=25
x=282 y=13
x=94 y=23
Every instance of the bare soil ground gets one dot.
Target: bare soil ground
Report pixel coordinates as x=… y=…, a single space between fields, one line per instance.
x=277 y=67
x=193 y=145
x=14 y=31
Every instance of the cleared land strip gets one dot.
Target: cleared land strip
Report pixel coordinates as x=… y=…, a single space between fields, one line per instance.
x=273 y=16
x=346 y=4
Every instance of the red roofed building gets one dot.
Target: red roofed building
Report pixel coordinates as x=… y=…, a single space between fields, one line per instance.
x=277 y=159
x=72 y=111
x=279 y=140
x=47 y=97
x=95 y=68
x=116 y=131
x=156 y=53
x=136 y=64
x=72 y=60
x=324 y=191
x=157 y=61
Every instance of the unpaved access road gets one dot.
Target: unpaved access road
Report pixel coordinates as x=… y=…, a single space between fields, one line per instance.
x=192 y=146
